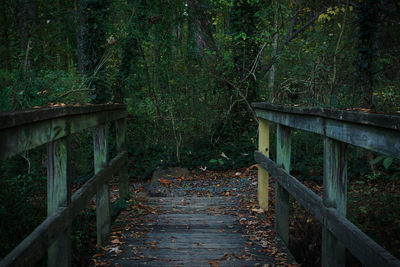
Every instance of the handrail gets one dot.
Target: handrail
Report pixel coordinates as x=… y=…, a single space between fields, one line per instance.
x=376 y=132
x=24 y=130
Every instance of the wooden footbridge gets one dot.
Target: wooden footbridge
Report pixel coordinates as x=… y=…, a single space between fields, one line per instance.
x=194 y=226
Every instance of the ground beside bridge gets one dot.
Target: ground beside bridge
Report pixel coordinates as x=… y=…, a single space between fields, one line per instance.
x=204 y=220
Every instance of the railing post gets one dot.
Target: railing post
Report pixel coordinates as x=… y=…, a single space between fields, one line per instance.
x=59 y=195
x=120 y=126
x=103 y=219
x=263 y=176
x=283 y=151
x=335 y=196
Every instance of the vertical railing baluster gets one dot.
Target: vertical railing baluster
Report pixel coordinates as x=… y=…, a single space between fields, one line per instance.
x=103 y=219
x=335 y=196
x=283 y=151
x=121 y=146
x=59 y=195
x=263 y=176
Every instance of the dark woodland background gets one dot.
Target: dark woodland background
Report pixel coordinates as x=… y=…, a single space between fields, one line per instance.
x=188 y=71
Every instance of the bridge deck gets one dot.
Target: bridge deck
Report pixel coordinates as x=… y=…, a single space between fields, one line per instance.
x=194 y=231
x=183 y=229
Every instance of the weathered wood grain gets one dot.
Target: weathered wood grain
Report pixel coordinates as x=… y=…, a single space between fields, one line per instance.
x=34 y=247
x=283 y=151
x=30 y=135
x=101 y=154
x=203 y=238
x=385 y=140
x=358 y=243
x=307 y=198
x=366 y=250
x=120 y=126
x=335 y=196
x=59 y=195
x=11 y=119
x=388 y=121
x=303 y=122
x=85 y=193
x=263 y=177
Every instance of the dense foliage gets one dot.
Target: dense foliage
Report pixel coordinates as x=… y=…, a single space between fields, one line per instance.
x=188 y=71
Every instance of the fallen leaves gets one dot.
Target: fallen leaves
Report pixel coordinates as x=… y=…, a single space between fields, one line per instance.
x=258 y=210
x=256 y=223
x=165 y=181
x=115 y=250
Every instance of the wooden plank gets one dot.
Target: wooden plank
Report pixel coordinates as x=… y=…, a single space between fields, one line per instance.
x=28 y=136
x=120 y=126
x=103 y=215
x=189 y=239
x=11 y=119
x=387 y=121
x=335 y=196
x=363 y=135
x=373 y=138
x=263 y=177
x=303 y=122
x=86 y=192
x=307 y=198
x=366 y=250
x=358 y=243
x=34 y=247
x=283 y=151
x=59 y=195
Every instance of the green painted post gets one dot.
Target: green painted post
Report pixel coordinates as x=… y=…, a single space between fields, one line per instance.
x=335 y=196
x=283 y=151
x=103 y=219
x=59 y=195
x=121 y=146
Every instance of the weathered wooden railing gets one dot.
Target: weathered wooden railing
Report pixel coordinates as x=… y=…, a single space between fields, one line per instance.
x=380 y=133
x=24 y=130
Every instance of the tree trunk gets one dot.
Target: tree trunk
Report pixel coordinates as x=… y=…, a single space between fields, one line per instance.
x=271 y=80
x=368 y=23
x=81 y=35
x=25 y=12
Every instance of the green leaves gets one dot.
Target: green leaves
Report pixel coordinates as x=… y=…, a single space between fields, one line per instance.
x=387 y=161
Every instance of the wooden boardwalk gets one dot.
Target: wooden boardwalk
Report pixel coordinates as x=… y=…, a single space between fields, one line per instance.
x=186 y=231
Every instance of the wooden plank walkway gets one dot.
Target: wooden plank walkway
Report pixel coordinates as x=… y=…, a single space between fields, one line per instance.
x=185 y=231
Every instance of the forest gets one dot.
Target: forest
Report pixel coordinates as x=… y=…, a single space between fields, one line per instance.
x=188 y=71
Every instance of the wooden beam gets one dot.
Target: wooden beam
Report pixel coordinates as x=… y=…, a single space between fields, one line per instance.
x=59 y=195
x=307 y=198
x=381 y=140
x=120 y=126
x=387 y=121
x=27 y=136
x=103 y=217
x=358 y=134
x=303 y=122
x=10 y=119
x=335 y=196
x=263 y=177
x=34 y=247
x=283 y=151
x=358 y=243
x=366 y=250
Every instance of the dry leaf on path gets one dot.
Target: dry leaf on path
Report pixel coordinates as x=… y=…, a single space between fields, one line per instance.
x=165 y=181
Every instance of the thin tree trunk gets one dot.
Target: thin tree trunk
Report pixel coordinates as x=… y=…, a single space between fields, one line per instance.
x=25 y=21
x=271 y=80
x=80 y=6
